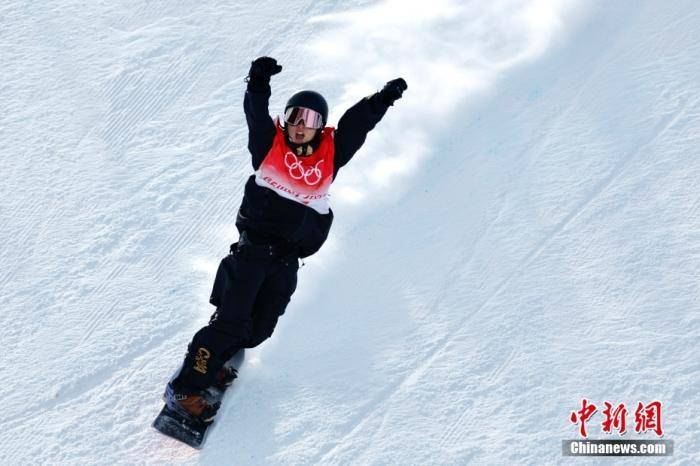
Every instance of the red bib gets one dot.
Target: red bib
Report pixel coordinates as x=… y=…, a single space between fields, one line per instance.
x=303 y=179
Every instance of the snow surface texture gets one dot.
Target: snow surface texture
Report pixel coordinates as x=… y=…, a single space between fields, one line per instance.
x=521 y=231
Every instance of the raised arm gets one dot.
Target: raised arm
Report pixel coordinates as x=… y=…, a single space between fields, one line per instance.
x=261 y=128
x=361 y=118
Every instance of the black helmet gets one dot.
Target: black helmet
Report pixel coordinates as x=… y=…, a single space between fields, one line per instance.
x=309 y=99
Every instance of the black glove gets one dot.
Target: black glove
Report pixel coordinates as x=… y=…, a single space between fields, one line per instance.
x=263 y=68
x=392 y=91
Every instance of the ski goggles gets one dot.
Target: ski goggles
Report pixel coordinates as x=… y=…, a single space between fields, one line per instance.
x=311 y=118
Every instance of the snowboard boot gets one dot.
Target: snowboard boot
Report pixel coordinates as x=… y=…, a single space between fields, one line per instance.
x=192 y=404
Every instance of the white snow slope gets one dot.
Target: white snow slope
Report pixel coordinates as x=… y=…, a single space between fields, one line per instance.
x=521 y=231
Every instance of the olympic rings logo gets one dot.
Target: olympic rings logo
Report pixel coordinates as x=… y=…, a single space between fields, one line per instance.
x=311 y=175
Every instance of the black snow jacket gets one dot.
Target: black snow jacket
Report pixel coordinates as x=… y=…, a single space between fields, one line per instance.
x=271 y=219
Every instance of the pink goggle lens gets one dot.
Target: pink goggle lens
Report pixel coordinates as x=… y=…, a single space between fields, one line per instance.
x=311 y=118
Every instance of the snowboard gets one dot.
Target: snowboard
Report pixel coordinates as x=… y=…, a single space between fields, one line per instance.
x=185 y=429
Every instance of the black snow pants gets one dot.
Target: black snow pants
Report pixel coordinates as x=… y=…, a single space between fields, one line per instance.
x=253 y=286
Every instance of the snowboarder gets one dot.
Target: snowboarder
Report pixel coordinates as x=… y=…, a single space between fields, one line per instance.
x=284 y=216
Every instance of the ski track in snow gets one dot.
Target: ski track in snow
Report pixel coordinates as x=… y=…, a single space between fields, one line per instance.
x=538 y=186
